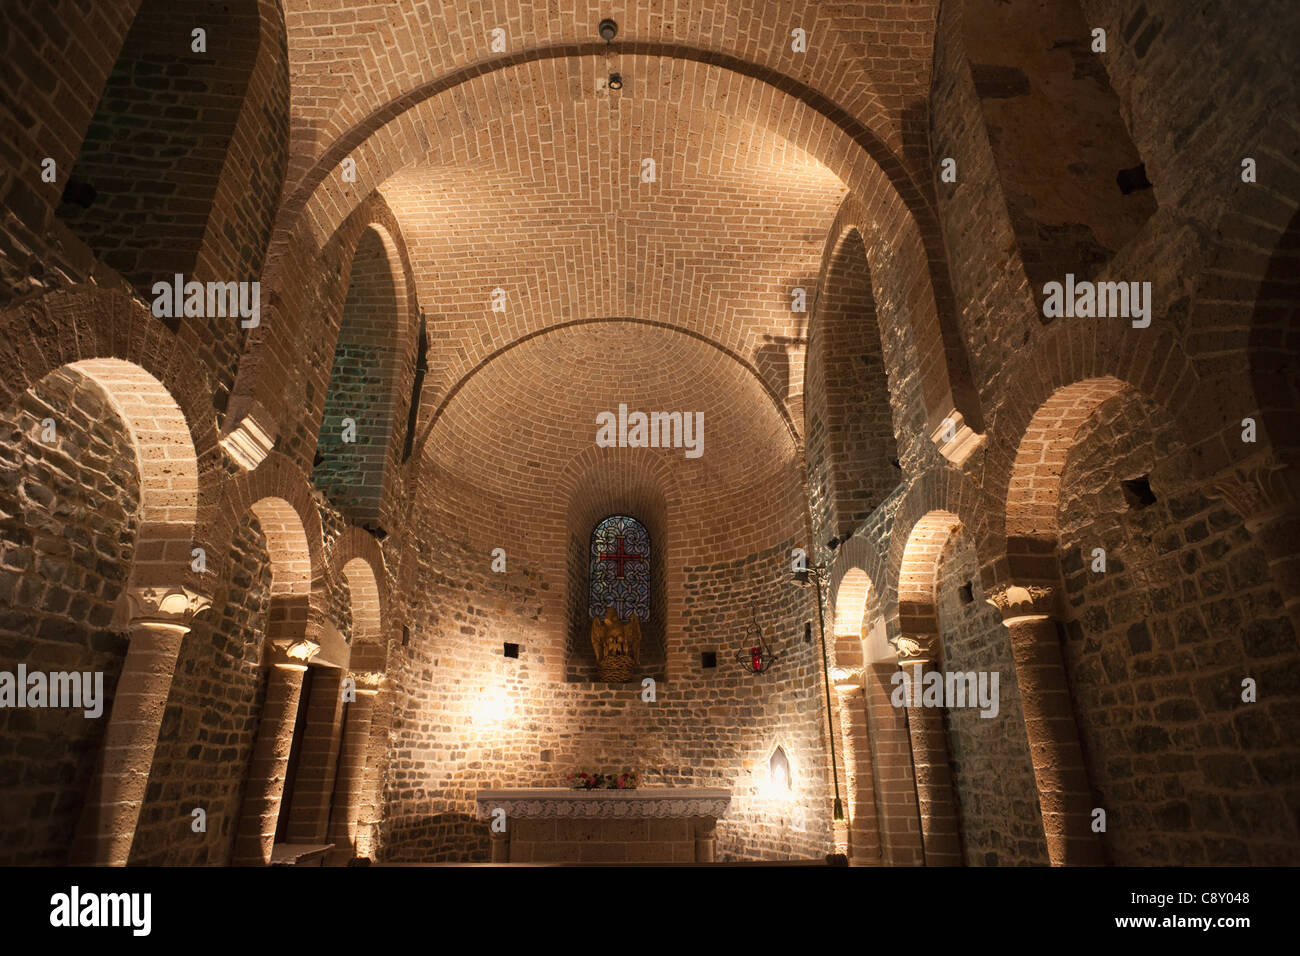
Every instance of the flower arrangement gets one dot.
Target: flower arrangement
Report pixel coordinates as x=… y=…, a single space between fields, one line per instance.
x=582 y=780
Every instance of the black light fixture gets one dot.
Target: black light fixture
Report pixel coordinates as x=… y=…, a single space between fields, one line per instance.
x=616 y=81
x=758 y=656
x=815 y=572
x=608 y=30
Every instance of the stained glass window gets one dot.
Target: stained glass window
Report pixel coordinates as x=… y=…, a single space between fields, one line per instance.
x=620 y=568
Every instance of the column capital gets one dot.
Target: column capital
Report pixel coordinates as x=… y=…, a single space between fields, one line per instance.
x=368 y=682
x=1258 y=489
x=916 y=648
x=1016 y=601
x=293 y=652
x=167 y=606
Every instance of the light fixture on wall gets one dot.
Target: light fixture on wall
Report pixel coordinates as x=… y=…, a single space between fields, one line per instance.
x=816 y=572
x=758 y=656
x=608 y=30
x=616 y=81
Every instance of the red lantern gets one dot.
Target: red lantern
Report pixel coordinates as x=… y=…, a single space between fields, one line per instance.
x=756 y=659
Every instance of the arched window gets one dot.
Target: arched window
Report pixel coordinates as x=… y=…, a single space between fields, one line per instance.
x=620 y=568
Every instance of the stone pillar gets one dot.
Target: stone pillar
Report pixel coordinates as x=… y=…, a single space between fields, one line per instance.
x=159 y=620
x=891 y=769
x=1031 y=614
x=264 y=788
x=939 y=836
x=318 y=759
x=864 y=844
x=706 y=830
x=1266 y=494
x=351 y=773
x=500 y=846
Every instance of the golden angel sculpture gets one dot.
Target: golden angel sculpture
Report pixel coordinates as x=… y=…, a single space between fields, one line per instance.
x=617 y=644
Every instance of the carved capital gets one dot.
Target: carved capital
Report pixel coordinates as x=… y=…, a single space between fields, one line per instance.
x=299 y=652
x=165 y=606
x=916 y=648
x=846 y=679
x=1259 y=489
x=1031 y=600
x=368 y=682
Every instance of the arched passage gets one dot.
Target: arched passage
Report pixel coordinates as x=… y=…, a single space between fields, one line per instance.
x=287 y=650
x=848 y=429
x=183 y=161
x=98 y=496
x=1075 y=186
x=920 y=655
x=1151 y=644
x=355 y=450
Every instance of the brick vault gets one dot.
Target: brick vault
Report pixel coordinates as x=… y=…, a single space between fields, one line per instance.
x=310 y=312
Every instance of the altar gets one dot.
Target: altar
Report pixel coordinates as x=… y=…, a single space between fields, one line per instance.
x=553 y=825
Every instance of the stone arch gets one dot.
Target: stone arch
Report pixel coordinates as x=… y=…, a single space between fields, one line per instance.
x=918 y=574
x=1073 y=181
x=1034 y=489
x=250 y=420
x=431 y=417
x=849 y=601
x=382 y=145
x=920 y=652
x=1096 y=362
x=848 y=432
x=215 y=153
x=159 y=392
x=98 y=497
x=364 y=382
x=1151 y=582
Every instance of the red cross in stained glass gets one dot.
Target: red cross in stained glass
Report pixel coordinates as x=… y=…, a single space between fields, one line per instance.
x=620 y=555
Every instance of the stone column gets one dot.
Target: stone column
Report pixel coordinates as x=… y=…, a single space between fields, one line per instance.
x=352 y=767
x=1266 y=494
x=500 y=846
x=1031 y=614
x=706 y=830
x=939 y=837
x=264 y=788
x=864 y=844
x=159 y=620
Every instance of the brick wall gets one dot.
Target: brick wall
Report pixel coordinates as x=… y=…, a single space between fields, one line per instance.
x=206 y=740
x=362 y=386
x=848 y=422
x=997 y=798
x=69 y=511
x=1158 y=647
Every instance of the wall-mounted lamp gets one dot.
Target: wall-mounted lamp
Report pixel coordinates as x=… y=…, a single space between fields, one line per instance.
x=758 y=656
x=616 y=81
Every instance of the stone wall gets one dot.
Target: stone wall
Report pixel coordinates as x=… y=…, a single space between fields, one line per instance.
x=69 y=510
x=208 y=729
x=1158 y=647
x=997 y=798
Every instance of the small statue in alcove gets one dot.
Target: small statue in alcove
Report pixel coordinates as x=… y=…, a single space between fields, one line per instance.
x=617 y=644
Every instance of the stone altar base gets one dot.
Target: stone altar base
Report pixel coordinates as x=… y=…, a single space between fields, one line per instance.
x=545 y=825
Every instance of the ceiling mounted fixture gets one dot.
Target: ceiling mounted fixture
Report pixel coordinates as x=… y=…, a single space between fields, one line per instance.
x=608 y=30
x=616 y=81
